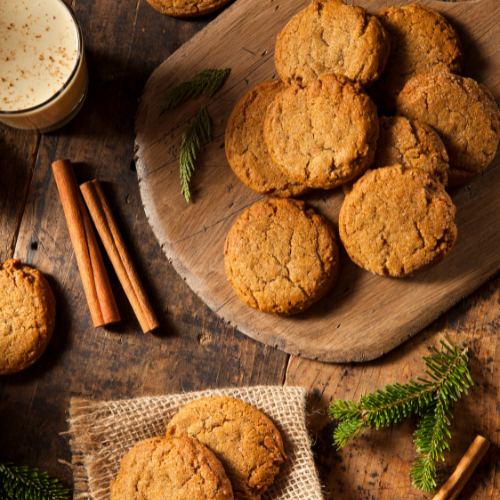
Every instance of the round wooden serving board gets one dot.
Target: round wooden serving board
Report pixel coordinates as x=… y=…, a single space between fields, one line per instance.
x=365 y=315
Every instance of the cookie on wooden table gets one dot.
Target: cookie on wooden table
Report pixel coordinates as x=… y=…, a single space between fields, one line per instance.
x=175 y=468
x=331 y=37
x=241 y=437
x=28 y=313
x=246 y=149
x=462 y=112
x=397 y=222
x=422 y=41
x=187 y=8
x=281 y=257
x=323 y=134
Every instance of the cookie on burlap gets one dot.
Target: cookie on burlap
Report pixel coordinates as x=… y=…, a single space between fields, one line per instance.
x=324 y=134
x=462 y=112
x=397 y=222
x=246 y=148
x=28 y=309
x=422 y=41
x=245 y=441
x=331 y=37
x=174 y=468
x=281 y=257
x=187 y=8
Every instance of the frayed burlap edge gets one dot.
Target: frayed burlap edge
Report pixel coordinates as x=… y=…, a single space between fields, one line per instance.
x=101 y=433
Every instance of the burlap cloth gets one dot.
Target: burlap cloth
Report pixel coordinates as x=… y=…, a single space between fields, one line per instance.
x=101 y=433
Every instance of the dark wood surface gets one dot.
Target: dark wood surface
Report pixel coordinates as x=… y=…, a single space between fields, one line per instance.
x=125 y=40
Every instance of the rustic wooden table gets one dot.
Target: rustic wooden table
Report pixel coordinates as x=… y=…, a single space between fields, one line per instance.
x=125 y=40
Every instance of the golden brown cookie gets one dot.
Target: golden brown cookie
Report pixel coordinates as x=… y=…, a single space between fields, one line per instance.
x=324 y=134
x=242 y=438
x=28 y=309
x=397 y=222
x=422 y=41
x=187 y=8
x=246 y=149
x=281 y=257
x=412 y=144
x=174 y=468
x=462 y=112
x=331 y=37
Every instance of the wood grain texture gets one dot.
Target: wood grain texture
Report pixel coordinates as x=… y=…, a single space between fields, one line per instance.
x=352 y=323
x=125 y=40
x=18 y=151
x=376 y=466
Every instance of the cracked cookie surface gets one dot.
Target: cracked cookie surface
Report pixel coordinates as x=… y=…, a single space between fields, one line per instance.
x=397 y=222
x=246 y=149
x=462 y=112
x=412 y=144
x=187 y=8
x=331 y=37
x=27 y=319
x=422 y=41
x=281 y=257
x=245 y=441
x=324 y=134
x=175 y=468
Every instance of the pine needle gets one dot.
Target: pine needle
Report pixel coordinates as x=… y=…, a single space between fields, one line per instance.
x=193 y=138
x=207 y=80
x=23 y=483
x=431 y=398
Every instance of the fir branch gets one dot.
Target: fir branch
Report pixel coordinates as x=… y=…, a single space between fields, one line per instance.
x=430 y=438
x=193 y=137
x=431 y=398
x=208 y=79
x=18 y=483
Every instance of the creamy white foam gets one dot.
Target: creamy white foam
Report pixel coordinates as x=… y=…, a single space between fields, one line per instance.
x=38 y=51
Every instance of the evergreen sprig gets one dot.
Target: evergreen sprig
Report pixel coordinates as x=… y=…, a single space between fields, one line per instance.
x=23 y=483
x=431 y=399
x=207 y=79
x=192 y=139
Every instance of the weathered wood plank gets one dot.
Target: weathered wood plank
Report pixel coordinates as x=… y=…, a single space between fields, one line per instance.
x=17 y=159
x=125 y=40
x=376 y=466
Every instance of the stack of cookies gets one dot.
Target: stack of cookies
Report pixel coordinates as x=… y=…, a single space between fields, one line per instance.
x=318 y=127
x=216 y=448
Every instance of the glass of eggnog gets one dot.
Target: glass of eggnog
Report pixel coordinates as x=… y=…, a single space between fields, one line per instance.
x=43 y=73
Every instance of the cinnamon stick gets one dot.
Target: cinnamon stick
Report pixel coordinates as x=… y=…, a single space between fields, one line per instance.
x=95 y=280
x=455 y=484
x=106 y=226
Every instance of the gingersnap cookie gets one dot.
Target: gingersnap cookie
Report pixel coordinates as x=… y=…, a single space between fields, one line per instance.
x=462 y=112
x=281 y=257
x=422 y=41
x=28 y=309
x=397 y=222
x=324 y=134
x=245 y=441
x=173 y=468
x=412 y=144
x=246 y=149
x=331 y=37
x=187 y=8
